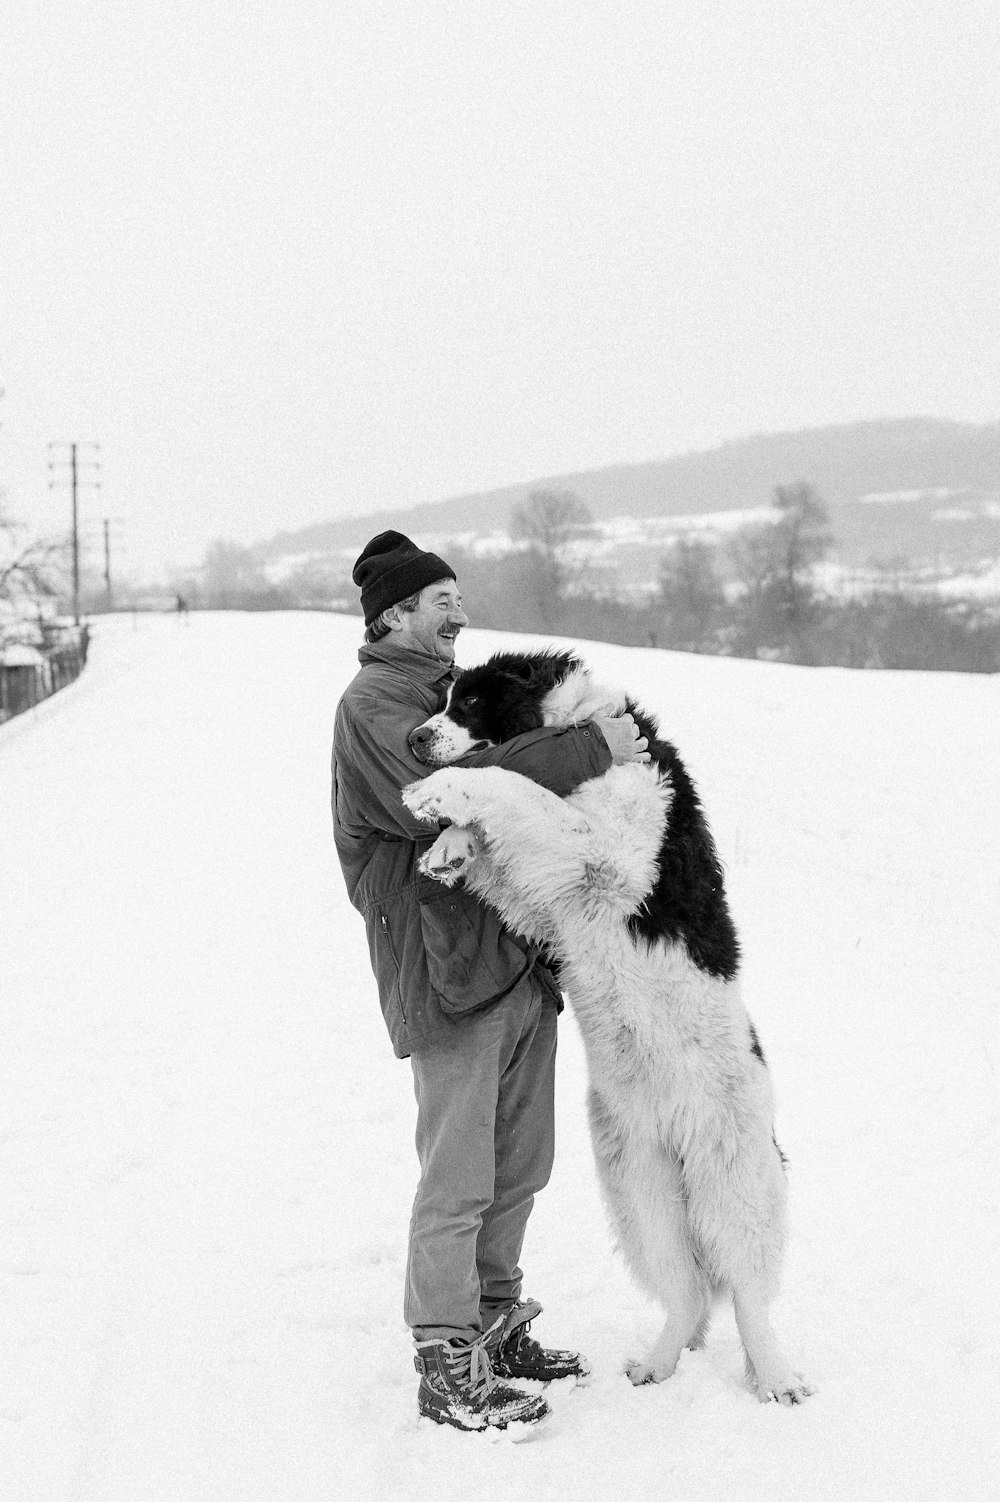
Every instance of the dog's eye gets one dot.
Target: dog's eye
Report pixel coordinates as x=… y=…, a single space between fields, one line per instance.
x=472 y=699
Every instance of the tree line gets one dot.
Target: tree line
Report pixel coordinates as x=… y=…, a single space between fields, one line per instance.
x=757 y=593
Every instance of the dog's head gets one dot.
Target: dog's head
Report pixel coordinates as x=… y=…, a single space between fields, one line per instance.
x=511 y=693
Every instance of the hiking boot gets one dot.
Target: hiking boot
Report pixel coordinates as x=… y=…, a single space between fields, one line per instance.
x=515 y=1353
x=457 y=1387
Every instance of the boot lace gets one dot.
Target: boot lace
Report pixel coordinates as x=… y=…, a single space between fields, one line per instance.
x=471 y=1365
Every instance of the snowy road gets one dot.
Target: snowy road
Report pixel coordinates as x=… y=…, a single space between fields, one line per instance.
x=205 y=1142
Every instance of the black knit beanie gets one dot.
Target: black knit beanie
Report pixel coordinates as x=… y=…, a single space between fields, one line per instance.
x=391 y=568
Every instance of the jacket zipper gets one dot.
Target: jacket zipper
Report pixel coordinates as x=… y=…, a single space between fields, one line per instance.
x=395 y=964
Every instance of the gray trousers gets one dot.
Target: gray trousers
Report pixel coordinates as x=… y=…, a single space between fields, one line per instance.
x=485 y=1140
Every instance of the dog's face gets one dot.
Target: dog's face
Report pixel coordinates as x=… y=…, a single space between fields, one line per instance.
x=491 y=704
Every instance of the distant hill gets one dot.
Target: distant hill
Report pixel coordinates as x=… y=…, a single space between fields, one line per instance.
x=913 y=498
x=929 y=464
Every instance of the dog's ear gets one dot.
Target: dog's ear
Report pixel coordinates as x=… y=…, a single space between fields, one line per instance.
x=524 y=718
x=523 y=672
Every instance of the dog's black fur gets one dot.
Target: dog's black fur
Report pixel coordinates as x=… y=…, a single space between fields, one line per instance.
x=505 y=696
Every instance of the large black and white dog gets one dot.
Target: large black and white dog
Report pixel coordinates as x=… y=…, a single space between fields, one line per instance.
x=622 y=884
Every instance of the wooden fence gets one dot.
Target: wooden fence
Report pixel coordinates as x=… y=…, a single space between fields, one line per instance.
x=29 y=674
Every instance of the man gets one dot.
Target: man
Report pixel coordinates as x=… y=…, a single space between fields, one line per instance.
x=469 y=1002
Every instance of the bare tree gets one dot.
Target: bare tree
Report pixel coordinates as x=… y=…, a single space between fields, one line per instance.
x=776 y=566
x=690 y=592
x=31 y=569
x=803 y=532
x=549 y=521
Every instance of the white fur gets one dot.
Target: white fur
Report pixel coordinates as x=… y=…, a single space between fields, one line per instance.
x=680 y=1108
x=578 y=698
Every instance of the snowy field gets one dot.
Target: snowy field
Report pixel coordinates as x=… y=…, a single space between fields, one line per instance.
x=206 y=1144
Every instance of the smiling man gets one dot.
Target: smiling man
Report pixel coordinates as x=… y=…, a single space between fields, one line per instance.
x=472 y=1004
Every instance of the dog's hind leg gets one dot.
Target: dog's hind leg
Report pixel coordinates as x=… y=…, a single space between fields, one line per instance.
x=698 y=1338
x=645 y=1199
x=687 y=1320
x=767 y=1367
x=738 y=1212
x=674 y=1275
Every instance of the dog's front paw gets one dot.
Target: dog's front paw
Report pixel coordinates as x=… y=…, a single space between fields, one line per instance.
x=439 y=798
x=450 y=855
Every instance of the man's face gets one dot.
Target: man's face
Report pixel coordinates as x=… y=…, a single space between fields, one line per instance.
x=435 y=623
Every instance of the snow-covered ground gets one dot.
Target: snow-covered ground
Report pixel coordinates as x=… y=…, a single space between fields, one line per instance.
x=205 y=1142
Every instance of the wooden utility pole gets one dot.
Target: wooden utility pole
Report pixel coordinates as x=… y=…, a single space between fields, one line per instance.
x=107 y=524
x=109 y=540
x=75 y=481
x=76 y=537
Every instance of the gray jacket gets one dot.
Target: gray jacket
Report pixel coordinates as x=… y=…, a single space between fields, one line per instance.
x=438 y=954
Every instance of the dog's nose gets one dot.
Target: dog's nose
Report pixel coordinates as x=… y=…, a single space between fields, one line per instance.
x=419 y=740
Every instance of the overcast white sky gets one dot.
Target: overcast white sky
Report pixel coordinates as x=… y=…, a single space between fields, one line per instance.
x=293 y=259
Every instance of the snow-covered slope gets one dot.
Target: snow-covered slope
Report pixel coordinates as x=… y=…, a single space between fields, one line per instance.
x=205 y=1142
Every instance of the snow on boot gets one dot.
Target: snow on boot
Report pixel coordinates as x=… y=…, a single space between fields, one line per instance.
x=457 y=1387
x=515 y=1353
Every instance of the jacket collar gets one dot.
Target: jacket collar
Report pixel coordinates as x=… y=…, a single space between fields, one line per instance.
x=422 y=667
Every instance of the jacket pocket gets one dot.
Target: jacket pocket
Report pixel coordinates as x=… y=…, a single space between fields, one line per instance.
x=384 y=962
x=472 y=959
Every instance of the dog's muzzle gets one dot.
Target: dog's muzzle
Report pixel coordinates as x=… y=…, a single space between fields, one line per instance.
x=421 y=740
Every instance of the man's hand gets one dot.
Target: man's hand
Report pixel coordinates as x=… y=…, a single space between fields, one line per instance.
x=623 y=737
